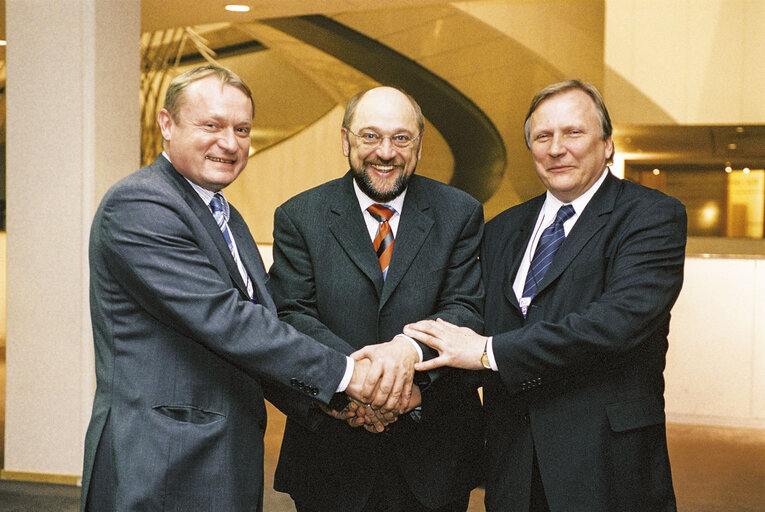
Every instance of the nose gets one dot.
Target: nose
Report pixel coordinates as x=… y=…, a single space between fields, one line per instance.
x=227 y=140
x=386 y=150
x=556 y=148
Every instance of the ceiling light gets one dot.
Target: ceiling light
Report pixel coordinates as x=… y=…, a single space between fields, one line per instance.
x=739 y=129
x=746 y=170
x=656 y=172
x=732 y=146
x=2 y=42
x=728 y=169
x=237 y=8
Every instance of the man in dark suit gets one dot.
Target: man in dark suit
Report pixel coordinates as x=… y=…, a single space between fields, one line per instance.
x=187 y=338
x=329 y=282
x=574 y=398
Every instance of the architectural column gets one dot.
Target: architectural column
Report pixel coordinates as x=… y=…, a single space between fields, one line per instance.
x=73 y=129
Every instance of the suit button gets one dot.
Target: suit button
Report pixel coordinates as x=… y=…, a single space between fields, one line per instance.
x=294 y=382
x=314 y=391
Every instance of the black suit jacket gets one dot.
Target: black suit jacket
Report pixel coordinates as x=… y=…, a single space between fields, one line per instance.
x=183 y=356
x=580 y=379
x=327 y=282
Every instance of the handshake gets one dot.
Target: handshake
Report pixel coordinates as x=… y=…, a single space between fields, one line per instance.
x=381 y=388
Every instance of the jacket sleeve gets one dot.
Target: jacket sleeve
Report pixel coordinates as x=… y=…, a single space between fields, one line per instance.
x=161 y=254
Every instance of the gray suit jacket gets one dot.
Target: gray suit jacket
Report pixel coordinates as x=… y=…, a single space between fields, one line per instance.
x=327 y=282
x=580 y=378
x=183 y=356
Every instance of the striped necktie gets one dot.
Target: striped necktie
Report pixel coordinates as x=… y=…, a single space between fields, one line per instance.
x=383 y=242
x=219 y=214
x=551 y=239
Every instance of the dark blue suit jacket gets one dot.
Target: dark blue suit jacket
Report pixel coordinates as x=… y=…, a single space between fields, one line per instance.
x=580 y=379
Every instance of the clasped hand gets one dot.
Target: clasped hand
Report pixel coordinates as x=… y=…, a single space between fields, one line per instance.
x=382 y=386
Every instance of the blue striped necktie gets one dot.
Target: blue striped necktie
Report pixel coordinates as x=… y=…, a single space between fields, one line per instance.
x=219 y=214
x=551 y=239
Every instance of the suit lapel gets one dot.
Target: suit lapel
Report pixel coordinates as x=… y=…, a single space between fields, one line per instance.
x=204 y=215
x=413 y=228
x=517 y=242
x=592 y=220
x=346 y=223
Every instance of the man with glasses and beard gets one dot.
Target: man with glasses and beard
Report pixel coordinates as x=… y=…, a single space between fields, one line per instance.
x=355 y=260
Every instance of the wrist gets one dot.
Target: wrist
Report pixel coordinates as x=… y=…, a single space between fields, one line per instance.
x=485 y=356
x=417 y=351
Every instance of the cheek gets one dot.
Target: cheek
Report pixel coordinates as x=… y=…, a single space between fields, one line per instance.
x=538 y=154
x=363 y=155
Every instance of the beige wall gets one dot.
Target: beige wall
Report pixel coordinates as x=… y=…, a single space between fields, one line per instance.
x=305 y=160
x=72 y=86
x=716 y=361
x=698 y=61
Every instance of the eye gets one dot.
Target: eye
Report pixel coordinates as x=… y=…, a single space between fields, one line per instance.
x=370 y=137
x=541 y=137
x=401 y=139
x=244 y=130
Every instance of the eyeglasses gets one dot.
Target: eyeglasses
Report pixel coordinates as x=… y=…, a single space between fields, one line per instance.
x=372 y=139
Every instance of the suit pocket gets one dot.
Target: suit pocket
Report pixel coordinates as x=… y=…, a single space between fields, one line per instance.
x=189 y=414
x=634 y=414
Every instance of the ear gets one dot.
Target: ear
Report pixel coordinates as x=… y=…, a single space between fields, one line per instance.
x=346 y=143
x=609 y=150
x=165 y=122
x=419 y=150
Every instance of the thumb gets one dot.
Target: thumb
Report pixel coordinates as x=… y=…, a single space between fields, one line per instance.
x=363 y=353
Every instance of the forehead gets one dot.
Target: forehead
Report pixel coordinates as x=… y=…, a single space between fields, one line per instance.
x=210 y=95
x=568 y=107
x=385 y=109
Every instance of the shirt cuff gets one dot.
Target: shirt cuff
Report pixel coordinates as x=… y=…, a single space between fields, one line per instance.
x=347 y=377
x=490 y=354
x=414 y=344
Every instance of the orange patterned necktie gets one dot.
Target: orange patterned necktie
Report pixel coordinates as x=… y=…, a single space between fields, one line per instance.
x=383 y=242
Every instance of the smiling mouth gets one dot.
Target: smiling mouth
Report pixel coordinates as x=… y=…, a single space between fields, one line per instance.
x=220 y=160
x=384 y=169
